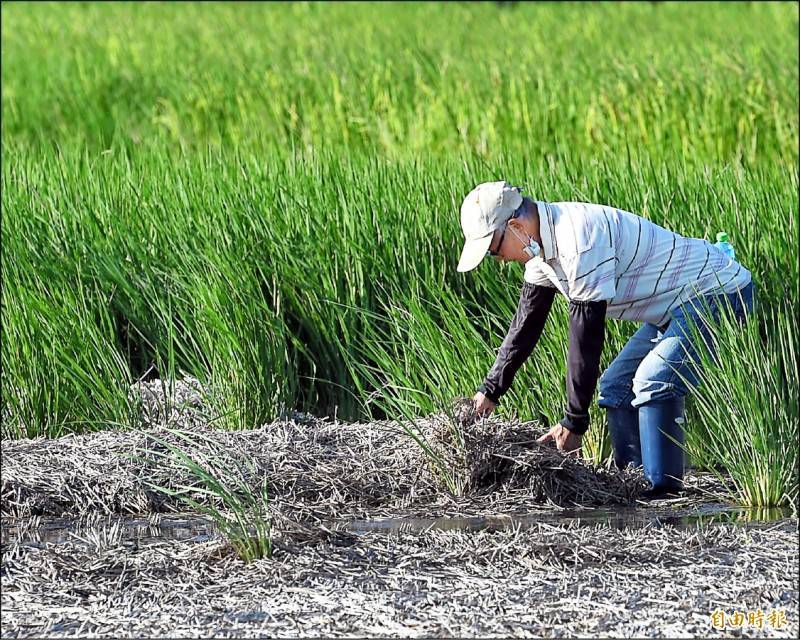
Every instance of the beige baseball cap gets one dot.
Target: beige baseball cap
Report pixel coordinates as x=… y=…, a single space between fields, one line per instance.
x=485 y=209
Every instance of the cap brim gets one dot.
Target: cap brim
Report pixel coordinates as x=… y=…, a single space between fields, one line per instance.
x=473 y=252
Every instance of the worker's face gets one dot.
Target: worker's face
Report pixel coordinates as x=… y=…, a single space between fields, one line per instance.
x=509 y=240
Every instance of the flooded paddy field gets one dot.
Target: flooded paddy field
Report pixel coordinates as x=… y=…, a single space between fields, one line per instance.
x=367 y=540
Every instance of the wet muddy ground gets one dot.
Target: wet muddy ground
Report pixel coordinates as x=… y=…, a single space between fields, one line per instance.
x=369 y=541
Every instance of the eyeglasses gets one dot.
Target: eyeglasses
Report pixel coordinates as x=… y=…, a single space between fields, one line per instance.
x=495 y=254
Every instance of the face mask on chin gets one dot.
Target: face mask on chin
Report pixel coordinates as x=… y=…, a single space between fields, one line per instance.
x=532 y=248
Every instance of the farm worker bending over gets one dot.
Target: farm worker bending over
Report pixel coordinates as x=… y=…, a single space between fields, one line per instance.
x=606 y=262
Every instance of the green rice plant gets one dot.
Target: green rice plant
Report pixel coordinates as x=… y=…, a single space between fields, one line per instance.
x=67 y=373
x=701 y=81
x=746 y=402
x=393 y=401
x=438 y=464
x=240 y=513
x=220 y=291
x=445 y=333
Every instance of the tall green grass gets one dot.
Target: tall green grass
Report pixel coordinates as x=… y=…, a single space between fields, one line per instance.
x=747 y=419
x=266 y=195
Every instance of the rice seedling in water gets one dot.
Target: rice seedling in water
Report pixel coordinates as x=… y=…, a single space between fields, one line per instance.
x=242 y=516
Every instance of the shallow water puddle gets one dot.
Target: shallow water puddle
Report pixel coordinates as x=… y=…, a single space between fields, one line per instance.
x=614 y=517
x=187 y=527
x=191 y=527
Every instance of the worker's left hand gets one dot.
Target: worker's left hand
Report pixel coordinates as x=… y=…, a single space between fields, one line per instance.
x=564 y=439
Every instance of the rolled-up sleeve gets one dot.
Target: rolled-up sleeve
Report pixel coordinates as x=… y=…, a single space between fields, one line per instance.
x=533 y=308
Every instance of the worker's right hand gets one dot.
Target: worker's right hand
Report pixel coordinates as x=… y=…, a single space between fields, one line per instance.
x=483 y=406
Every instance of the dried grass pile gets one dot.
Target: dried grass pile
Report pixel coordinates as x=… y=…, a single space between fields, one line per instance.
x=316 y=469
x=486 y=455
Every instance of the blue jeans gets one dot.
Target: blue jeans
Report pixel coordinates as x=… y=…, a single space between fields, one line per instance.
x=656 y=365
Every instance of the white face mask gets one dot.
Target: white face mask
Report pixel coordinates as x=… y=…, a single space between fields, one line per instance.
x=532 y=249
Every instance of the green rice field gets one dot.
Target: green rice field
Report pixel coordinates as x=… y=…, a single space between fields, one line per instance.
x=266 y=197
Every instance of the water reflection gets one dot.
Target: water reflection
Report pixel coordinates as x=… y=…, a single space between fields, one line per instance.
x=195 y=528
x=191 y=528
x=614 y=517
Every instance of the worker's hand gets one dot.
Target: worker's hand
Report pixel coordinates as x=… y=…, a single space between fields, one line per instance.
x=483 y=406
x=564 y=439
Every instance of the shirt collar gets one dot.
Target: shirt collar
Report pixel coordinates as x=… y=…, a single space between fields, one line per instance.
x=546 y=225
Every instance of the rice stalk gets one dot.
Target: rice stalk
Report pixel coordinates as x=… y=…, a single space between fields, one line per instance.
x=243 y=515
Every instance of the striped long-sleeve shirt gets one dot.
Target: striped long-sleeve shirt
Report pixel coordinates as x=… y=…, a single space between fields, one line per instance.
x=594 y=252
x=605 y=261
